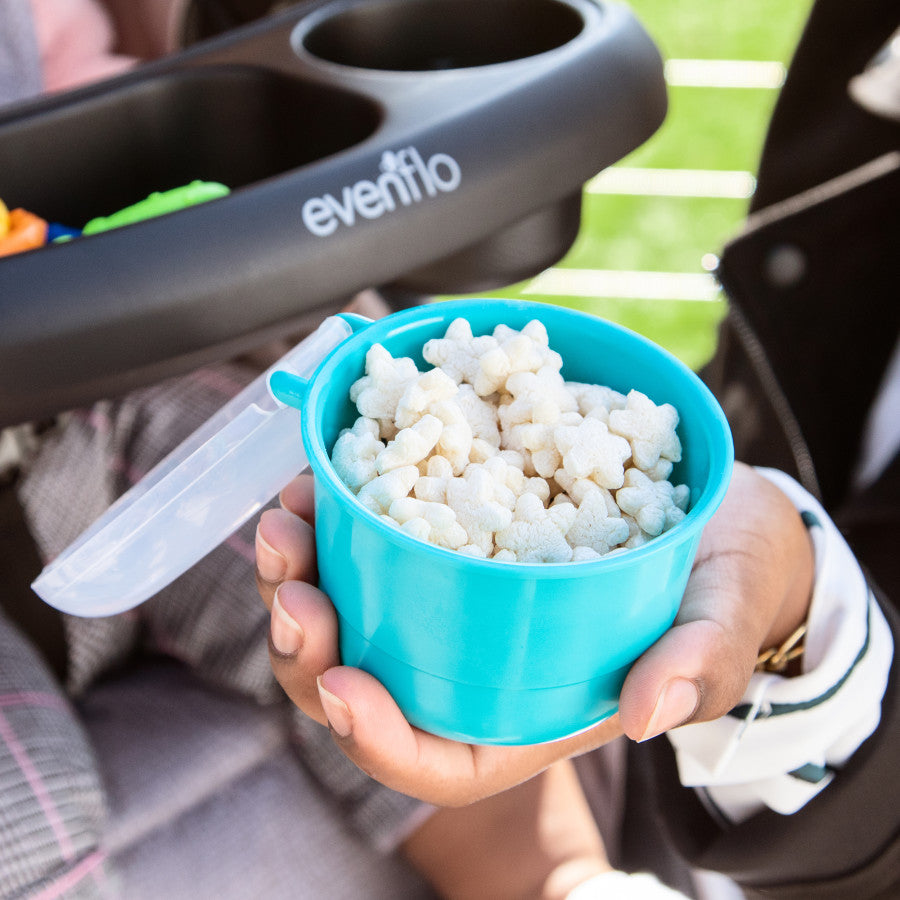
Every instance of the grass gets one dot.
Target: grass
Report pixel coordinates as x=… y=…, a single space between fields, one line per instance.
x=707 y=128
x=728 y=29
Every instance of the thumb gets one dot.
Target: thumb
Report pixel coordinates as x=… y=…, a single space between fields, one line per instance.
x=750 y=586
x=693 y=674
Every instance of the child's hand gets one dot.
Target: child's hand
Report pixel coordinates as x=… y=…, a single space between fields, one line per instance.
x=750 y=588
x=365 y=721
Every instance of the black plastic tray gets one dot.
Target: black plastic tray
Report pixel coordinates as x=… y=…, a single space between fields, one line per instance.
x=438 y=145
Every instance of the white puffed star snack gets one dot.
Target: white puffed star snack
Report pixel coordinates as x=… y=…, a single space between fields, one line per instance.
x=455 y=440
x=474 y=499
x=378 y=392
x=381 y=492
x=650 y=429
x=540 y=396
x=355 y=451
x=432 y=485
x=411 y=445
x=527 y=350
x=595 y=526
x=589 y=450
x=538 y=533
x=655 y=505
x=596 y=400
x=443 y=529
x=494 y=455
x=478 y=361
x=420 y=394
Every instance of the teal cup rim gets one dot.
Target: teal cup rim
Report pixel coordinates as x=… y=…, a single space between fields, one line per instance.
x=701 y=507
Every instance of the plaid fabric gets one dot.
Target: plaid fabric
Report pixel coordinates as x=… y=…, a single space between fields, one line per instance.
x=52 y=809
x=211 y=618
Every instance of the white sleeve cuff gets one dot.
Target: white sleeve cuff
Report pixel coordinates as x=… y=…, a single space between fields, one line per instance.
x=781 y=745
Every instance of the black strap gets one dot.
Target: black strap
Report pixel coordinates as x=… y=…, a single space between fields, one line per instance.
x=828 y=327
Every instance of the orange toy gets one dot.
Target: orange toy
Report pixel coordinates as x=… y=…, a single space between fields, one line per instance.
x=23 y=231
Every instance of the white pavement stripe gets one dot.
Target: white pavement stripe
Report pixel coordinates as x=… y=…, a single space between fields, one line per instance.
x=599 y=283
x=725 y=73
x=673 y=182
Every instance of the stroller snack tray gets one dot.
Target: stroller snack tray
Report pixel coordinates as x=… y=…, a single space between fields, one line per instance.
x=438 y=145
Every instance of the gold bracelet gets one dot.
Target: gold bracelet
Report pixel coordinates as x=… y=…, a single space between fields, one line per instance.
x=776 y=659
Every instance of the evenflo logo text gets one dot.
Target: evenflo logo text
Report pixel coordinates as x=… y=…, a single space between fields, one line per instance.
x=405 y=178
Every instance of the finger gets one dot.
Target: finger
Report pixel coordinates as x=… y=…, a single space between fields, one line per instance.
x=691 y=674
x=285 y=551
x=751 y=580
x=372 y=731
x=303 y=643
x=297 y=497
x=698 y=670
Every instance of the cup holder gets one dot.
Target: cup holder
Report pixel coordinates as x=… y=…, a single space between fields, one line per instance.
x=234 y=124
x=428 y=35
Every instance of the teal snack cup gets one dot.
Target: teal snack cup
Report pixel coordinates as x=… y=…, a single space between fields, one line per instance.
x=481 y=651
x=494 y=652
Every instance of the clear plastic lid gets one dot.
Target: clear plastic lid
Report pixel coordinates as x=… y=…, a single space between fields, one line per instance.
x=194 y=499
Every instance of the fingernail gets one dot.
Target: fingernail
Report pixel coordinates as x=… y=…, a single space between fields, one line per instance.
x=336 y=711
x=270 y=564
x=286 y=634
x=676 y=703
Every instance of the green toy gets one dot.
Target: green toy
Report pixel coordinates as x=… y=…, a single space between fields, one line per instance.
x=157 y=204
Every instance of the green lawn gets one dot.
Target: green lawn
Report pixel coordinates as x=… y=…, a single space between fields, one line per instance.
x=718 y=128
x=727 y=29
